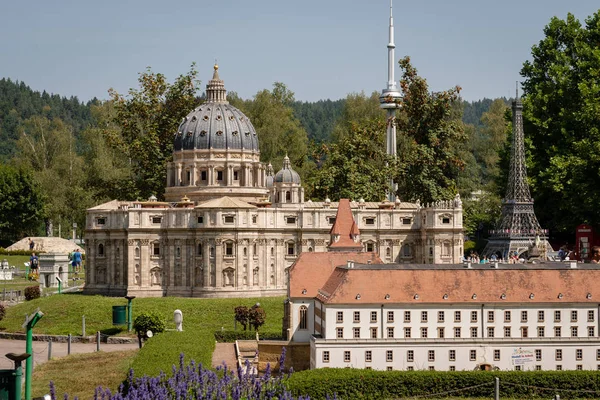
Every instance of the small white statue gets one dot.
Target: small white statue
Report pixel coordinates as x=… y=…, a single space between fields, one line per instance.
x=178 y=317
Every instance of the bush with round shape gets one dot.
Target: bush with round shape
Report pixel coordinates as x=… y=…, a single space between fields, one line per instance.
x=32 y=292
x=148 y=321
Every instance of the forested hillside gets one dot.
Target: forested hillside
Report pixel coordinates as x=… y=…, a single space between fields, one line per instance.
x=18 y=102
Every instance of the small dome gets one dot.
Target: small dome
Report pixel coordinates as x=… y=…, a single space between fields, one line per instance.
x=287 y=174
x=216 y=124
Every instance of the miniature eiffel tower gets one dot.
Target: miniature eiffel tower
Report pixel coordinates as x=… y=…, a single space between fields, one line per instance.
x=518 y=230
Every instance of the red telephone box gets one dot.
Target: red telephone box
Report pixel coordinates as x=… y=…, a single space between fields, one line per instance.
x=584 y=240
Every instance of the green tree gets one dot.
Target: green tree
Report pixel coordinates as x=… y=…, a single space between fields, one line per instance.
x=148 y=119
x=279 y=132
x=562 y=128
x=21 y=204
x=48 y=148
x=356 y=166
x=358 y=107
x=430 y=138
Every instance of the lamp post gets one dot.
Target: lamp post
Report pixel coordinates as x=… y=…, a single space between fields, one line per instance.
x=129 y=307
x=29 y=323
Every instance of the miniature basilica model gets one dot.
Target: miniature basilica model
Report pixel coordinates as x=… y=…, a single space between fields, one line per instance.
x=230 y=227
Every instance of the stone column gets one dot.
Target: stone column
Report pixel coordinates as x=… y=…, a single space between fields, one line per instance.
x=130 y=282
x=90 y=265
x=279 y=261
x=262 y=265
x=219 y=263
x=145 y=248
x=170 y=264
x=210 y=173
x=178 y=175
x=169 y=172
x=206 y=263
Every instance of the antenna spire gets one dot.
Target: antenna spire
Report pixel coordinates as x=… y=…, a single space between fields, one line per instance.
x=517 y=87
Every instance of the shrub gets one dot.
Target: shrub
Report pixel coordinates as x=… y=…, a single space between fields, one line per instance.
x=2 y=311
x=241 y=315
x=148 y=321
x=232 y=336
x=32 y=292
x=4 y=252
x=469 y=246
x=257 y=317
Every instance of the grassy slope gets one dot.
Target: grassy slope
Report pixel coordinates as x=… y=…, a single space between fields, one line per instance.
x=201 y=317
x=80 y=374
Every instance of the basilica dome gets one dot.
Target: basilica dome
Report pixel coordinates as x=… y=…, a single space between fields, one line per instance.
x=286 y=174
x=216 y=124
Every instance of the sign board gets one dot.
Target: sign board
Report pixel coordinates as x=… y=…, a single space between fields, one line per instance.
x=522 y=357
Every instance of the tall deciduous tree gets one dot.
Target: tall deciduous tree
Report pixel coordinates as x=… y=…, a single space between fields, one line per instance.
x=562 y=112
x=430 y=135
x=148 y=119
x=21 y=204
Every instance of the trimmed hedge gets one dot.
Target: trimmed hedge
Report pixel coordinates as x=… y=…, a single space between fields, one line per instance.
x=369 y=384
x=5 y=252
x=232 y=336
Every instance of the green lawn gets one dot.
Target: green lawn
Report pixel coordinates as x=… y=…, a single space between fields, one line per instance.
x=201 y=318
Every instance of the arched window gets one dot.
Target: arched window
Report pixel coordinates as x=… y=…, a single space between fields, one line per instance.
x=255 y=250
x=245 y=251
x=288 y=196
x=101 y=250
x=199 y=249
x=272 y=251
x=388 y=252
x=303 y=317
x=137 y=251
x=178 y=252
x=310 y=249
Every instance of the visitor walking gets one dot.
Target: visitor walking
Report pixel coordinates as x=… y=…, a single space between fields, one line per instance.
x=34 y=262
x=31 y=244
x=76 y=263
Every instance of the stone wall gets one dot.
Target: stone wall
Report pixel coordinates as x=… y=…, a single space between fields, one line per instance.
x=297 y=355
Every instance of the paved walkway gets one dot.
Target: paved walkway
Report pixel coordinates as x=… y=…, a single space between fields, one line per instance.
x=40 y=350
x=224 y=352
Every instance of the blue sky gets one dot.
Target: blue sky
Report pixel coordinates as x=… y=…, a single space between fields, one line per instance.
x=319 y=49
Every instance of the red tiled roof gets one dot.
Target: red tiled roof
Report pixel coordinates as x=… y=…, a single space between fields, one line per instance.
x=431 y=285
x=311 y=270
x=345 y=227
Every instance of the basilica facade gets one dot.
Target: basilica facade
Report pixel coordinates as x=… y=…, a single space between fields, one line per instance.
x=230 y=226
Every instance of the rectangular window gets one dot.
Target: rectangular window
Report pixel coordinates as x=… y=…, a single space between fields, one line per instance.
x=473 y=355
x=431 y=368
x=423 y=316
x=557 y=331
x=373 y=333
x=474 y=332
x=228 y=249
x=591 y=331
x=406 y=221
x=431 y=355
x=390 y=368
x=156 y=249
x=473 y=316
x=291 y=249
x=541 y=316
x=331 y=220
x=236 y=176
x=410 y=368
x=452 y=368
x=559 y=367
x=598 y=354
x=490 y=316
x=219 y=175
x=574 y=316
x=579 y=367
x=373 y=316
x=496 y=355
x=517 y=367
x=203 y=175
x=456 y=316
x=445 y=220
x=541 y=331
x=424 y=333
x=457 y=332
x=200 y=220
x=356 y=316
x=156 y=220
x=556 y=316
x=574 y=331
x=491 y=332
x=441 y=333
x=100 y=221
x=229 y=219
x=368 y=356
x=506 y=316
x=254 y=219
x=356 y=333
x=410 y=355
x=452 y=355
x=390 y=332
x=538 y=354
x=591 y=316
x=389 y=355
x=340 y=316
x=441 y=316
x=290 y=220
x=370 y=247
x=407 y=333
x=558 y=355
x=369 y=221
x=346 y=356
x=507 y=331
x=325 y=356
x=406 y=316
x=340 y=333
x=523 y=316
x=390 y=316
x=578 y=354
